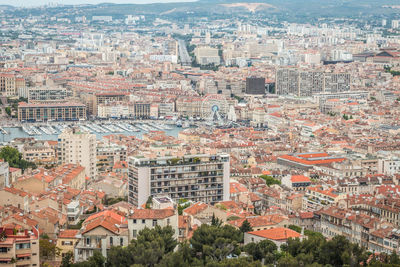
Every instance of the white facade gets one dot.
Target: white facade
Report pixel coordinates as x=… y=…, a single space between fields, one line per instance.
x=389 y=166
x=78 y=147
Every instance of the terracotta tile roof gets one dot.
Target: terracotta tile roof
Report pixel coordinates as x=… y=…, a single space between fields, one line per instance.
x=280 y=233
x=259 y=221
x=195 y=208
x=152 y=213
x=300 y=179
x=68 y=233
x=306 y=215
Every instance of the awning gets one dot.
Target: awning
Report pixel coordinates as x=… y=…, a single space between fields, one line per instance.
x=5 y=259
x=23 y=255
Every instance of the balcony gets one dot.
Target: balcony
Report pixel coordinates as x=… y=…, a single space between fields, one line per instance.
x=23 y=262
x=23 y=251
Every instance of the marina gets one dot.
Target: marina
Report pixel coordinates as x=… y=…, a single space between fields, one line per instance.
x=50 y=131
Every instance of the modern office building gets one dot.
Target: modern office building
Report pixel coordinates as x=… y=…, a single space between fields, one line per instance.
x=68 y=111
x=292 y=81
x=255 y=86
x=194 y=177
x=78 y=147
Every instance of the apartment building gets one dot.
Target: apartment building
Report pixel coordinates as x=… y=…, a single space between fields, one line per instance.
x=44 y=94
x=100 y=232
x=102 y=98
x=207 y=55
x=66 y=241
x=40 y=152
x=150 y=218
x=201 y=177
x=389 y=166
x=78 y=147
x=109 y=154
x=9 y=84
x=19 y=247
x=355 y=226
x=306 y=83
x=317 y=197
x=69 y=111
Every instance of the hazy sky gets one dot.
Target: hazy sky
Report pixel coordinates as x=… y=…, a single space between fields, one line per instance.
x=27 y=3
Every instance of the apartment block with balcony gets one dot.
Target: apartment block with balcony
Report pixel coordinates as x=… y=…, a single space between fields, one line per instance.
x=35 y=112
x=194 y=177
x=19 y=247
x=317 y=197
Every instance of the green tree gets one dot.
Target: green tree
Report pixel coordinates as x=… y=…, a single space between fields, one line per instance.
x=119 y=257
x=48 y=250
x=8 y=111
x=152 y=244
x=149 y=202
x=11 y=155
x=67 y=259
x=14 y=158
x=265 y=249
x=238 y=262
x=181 y=258
x=245 y=227
x=269 y=180
x=215 y=221
x=216 y=243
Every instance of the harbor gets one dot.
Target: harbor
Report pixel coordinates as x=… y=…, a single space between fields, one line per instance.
x=51 y=130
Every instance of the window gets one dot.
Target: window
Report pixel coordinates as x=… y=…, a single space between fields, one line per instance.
x=168 y=221
x=154 y=222
x=121 y=241
x=23 y=246
x=143 y=221
x=87 y=241
x=134 y=233
x=111 y=240
x=134 y=220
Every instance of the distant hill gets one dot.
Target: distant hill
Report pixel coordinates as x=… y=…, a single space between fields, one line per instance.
x=300 y=9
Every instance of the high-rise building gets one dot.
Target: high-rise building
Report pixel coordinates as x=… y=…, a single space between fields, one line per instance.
x=291 y=81
x=255 y=86
x=194 y=177
x=77 y=147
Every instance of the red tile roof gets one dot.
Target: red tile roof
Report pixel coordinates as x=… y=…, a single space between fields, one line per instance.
x=280 y=233
x=68 y=233
x=300 y=179
x=195 y=208
x=152 y=213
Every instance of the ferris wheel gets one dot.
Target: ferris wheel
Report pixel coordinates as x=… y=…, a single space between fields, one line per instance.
x=215 y=108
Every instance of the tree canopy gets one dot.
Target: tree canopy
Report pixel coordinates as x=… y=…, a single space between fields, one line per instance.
x=14 y=158
x=220 y=246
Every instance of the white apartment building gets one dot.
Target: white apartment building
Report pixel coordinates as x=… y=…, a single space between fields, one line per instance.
x=207 y=55
x=201 y=177
x=78 y=147
x=389 y=166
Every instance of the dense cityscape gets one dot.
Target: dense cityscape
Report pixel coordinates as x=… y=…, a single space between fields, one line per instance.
x=207 y=133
